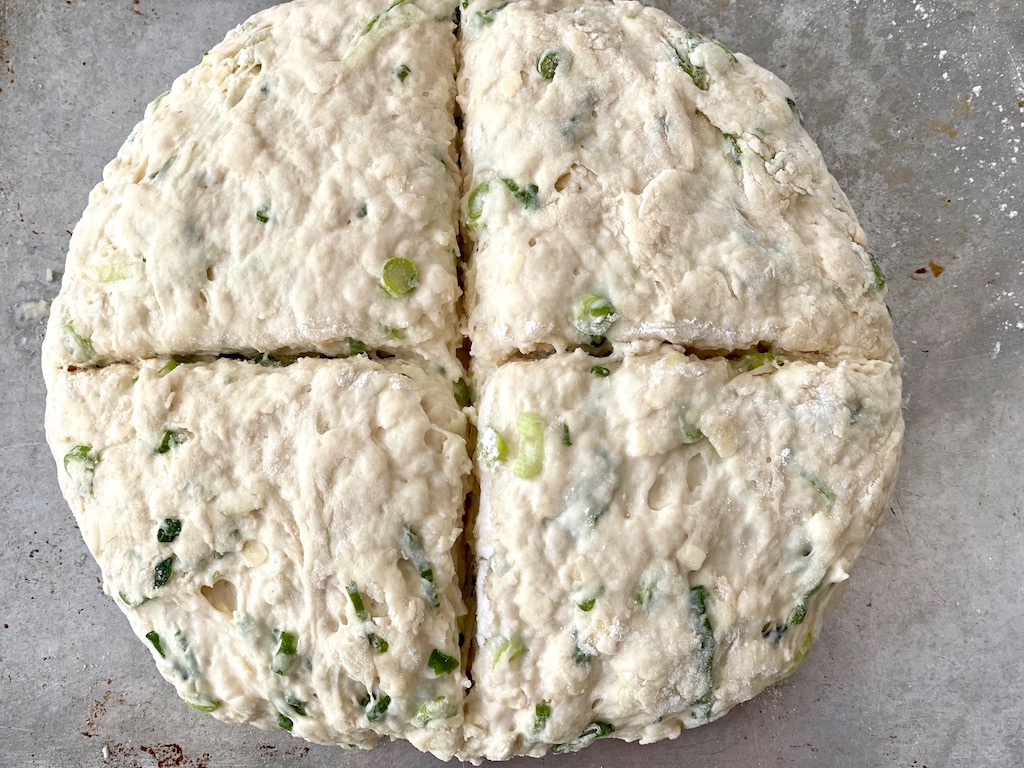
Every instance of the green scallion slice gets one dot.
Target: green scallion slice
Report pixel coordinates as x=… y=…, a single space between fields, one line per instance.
x=548 y=63
x=594 y=315
x=412 y=550
x=162 y=572
x=530 y=458
x=399 y=276
x=591 y=733
x=171 y=438
x=284 y=658
x=154 y=638
x=491 y=446
x=378 y=643
x=542 y=713
x=296 y=705
x=169 y=530
x=442 y=663
x=357 y=601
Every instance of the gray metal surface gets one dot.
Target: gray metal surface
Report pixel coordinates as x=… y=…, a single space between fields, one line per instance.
x=919 y=110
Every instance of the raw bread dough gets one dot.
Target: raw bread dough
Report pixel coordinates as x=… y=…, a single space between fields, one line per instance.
x=753 y=481
x=668 y=503
x=263 y=497
x=659 y=170
x=255 y=206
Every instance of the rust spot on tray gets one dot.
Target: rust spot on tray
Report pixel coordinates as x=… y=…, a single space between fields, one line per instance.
x=97 y=711
x=166 y=756
x=935 y=269
x=940 y=127
x=173 y=756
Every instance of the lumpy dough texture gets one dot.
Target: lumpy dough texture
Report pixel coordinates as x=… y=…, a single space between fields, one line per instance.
x=670 y=474
x=669 y=175
x=685 y=403
x=255 y=207
x=280 y=493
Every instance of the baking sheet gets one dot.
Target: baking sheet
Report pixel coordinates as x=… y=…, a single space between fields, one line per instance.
x=919 y=111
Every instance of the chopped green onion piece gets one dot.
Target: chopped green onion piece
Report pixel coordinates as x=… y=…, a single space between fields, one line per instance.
x=823 y=490
x=284 y=659
x=734 y=149
x=548 y=64
x=756 y=360
x=412 y=549
x=399 y=276
x=162 y=96
x=402 y=72
x=375 y=707
x=697 y=73
x=591 y=733
x=84 y=459
x=600 y=371
x=700 y=621
x=690 y=432
x=507 y=649
x=357 y=601
x=81 y=454
x=475 y=201
x=269 y=360
x=437 y=708
x=362 y=211
x=169 y=366
x=373 y=22
x=154 y=638
x=526 y=195
x=795 y=109
x=566 y=435
x=355 y=346
x=378 y=643
x=162 y=572
x=486 y=18
x=491 y=446
x=463 y=394
x=800 y=612
x=263 y=214
x=725 y=48
x=163 y=168
x=530 y=459
x=442 y=663
x=395 y=333
x=168 y=530
x=284 y=721
x=587 y=605
x=78 y=347
x=296 y=705
x=879 y=283
x=171 y=438
x=803 y=650
x=701 y=709
x=204 y=706
x=644 y=594
x=579 y=656
x=542 y=714
x=594 y=315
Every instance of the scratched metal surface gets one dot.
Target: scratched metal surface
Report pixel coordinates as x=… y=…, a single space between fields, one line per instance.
x=919 y=110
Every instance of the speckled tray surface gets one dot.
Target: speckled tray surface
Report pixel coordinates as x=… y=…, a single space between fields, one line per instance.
x=919 y=111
